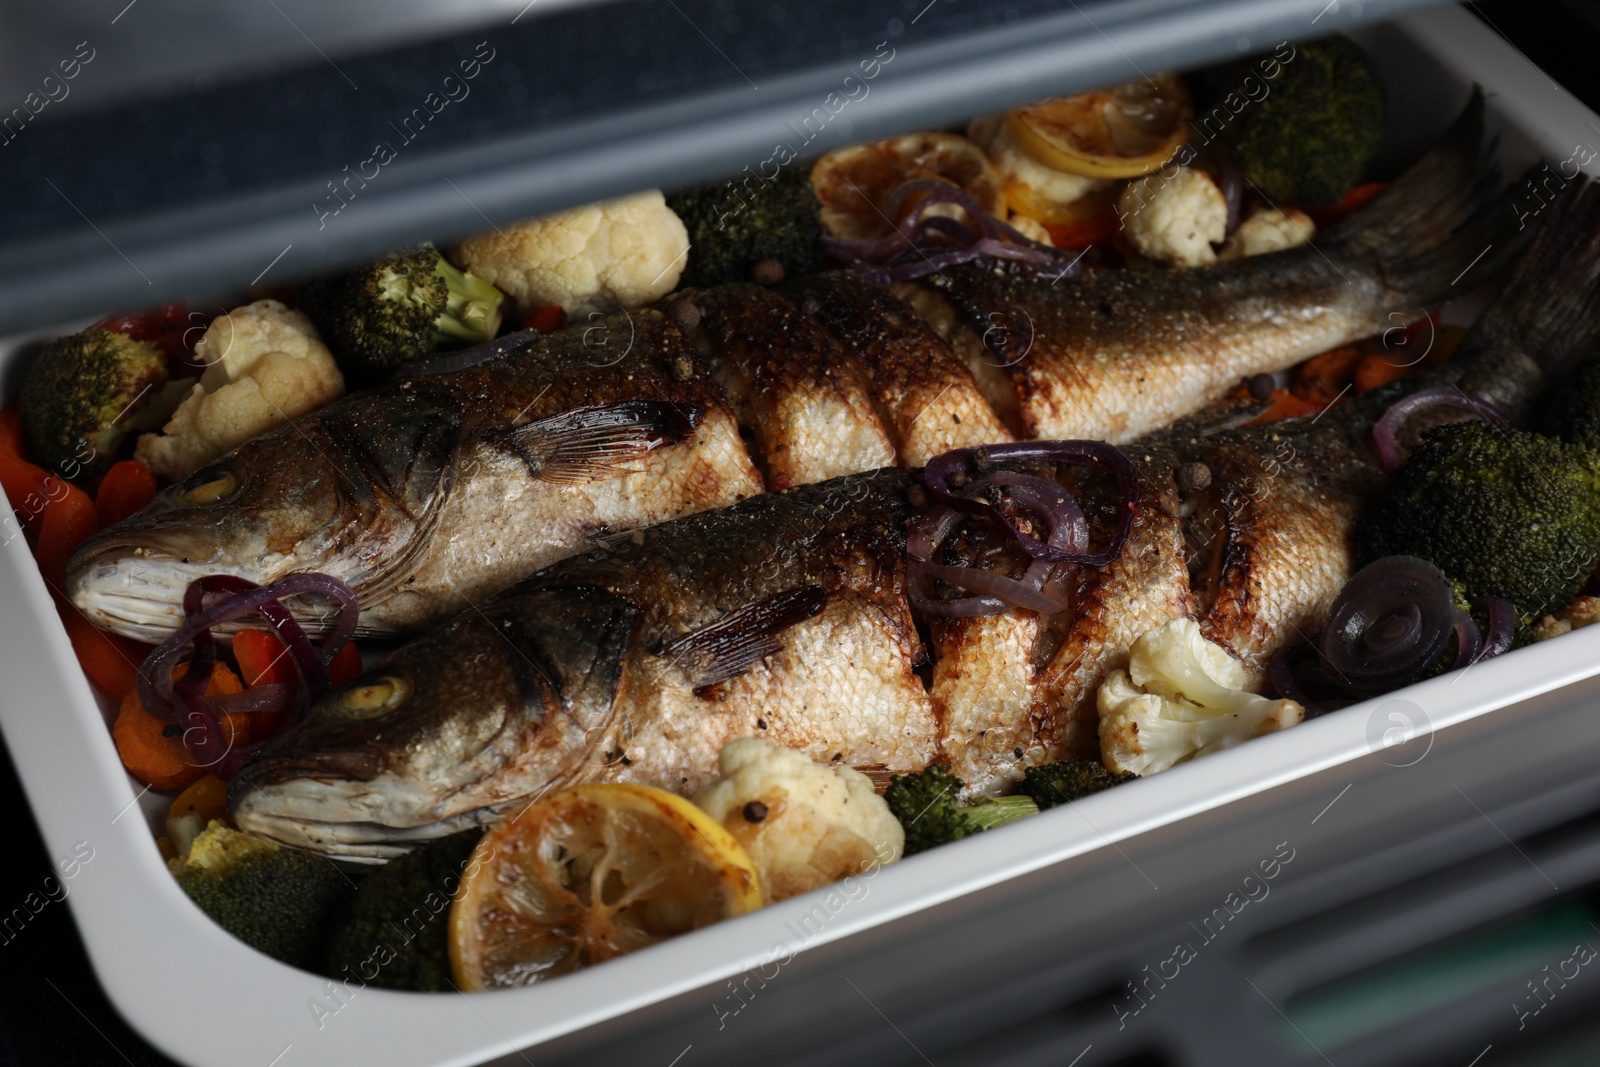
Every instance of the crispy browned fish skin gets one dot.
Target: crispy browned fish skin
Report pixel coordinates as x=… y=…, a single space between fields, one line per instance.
x=427 y=494
x=1118 y=354
x=786 y=616
x=1260 y=554
x=782 y=617
x=433 y=491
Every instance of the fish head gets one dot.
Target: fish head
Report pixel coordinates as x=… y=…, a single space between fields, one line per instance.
x=326 y=493
x=483 y=714
x=237 y=515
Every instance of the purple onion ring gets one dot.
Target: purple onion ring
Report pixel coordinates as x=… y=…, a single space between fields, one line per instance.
x=919 y=244
x=1383 y=431
x=943 y=467
x=221 y=598
x=1389 y=624
x=1502 y=626
x=1469 y=642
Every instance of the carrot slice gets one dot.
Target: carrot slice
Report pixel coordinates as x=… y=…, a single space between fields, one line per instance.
x=127 y=487
x=152 y=749
x=110 y=660
x=346 y=665
x=67 y=522
x=1326 y=376
x=1381 y=368
x=1093 y=224
x=1286 y=405
x=263 y=658
x=1352 y=200
x=206 y=797
x=27 y=485
x=547 y=319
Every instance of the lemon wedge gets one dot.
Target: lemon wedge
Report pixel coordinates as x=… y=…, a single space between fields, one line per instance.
x=589 y=873
x=856 y=184
x=1121 y=132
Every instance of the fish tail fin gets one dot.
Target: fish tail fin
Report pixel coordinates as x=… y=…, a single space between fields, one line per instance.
x=1550 y=307
x=1443 y=227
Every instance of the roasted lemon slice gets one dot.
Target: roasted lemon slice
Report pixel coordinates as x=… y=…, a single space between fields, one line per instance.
x=589 y=873
x=1121 y=132
x=856 y=184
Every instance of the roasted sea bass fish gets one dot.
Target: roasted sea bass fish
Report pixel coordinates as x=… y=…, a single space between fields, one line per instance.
x=786 y=616
x=434 y=490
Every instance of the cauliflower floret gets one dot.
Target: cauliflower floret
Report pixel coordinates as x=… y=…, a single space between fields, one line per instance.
x=1175 y=216
x=1584 y=611
x=804 y=824
x=265 y=365
x=1269 y=229
x=618 y=253
x=1031 y=188
x=1181 y=696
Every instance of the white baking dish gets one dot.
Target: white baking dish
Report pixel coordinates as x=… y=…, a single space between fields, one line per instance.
x=205 y=998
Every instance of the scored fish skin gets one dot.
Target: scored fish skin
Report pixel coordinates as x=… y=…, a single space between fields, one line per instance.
x=1119 y=354
x=825 y=376
x=786 y=616
x=926 y=397
x=793 y=385
x=783 y=617
x=1260 y=554
x=1307 y=480
x=433 y=491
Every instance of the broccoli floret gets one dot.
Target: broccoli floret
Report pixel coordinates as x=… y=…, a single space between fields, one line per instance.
x=85 y=394
x=1068 y=780
x=733 y=225
x=396 y=934
x=1507 y=513
x=278 y=900
x=1573 y=411
x=929 y=806
x=1309 y=140
x=400 y=309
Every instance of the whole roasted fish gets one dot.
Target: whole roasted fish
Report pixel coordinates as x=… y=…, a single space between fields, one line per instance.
x=786 y=616
x=434 y=490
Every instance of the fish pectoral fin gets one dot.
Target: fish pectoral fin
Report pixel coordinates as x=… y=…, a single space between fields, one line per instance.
x=587 y=443
x=743 y=637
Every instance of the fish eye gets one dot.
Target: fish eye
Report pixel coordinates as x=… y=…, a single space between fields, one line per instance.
x=211 y=488
x=373 y=699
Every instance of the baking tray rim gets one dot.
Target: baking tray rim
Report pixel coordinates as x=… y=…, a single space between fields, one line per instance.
x=257 y=1010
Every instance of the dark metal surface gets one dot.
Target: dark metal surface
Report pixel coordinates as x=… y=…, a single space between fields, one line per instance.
x=229 y=182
